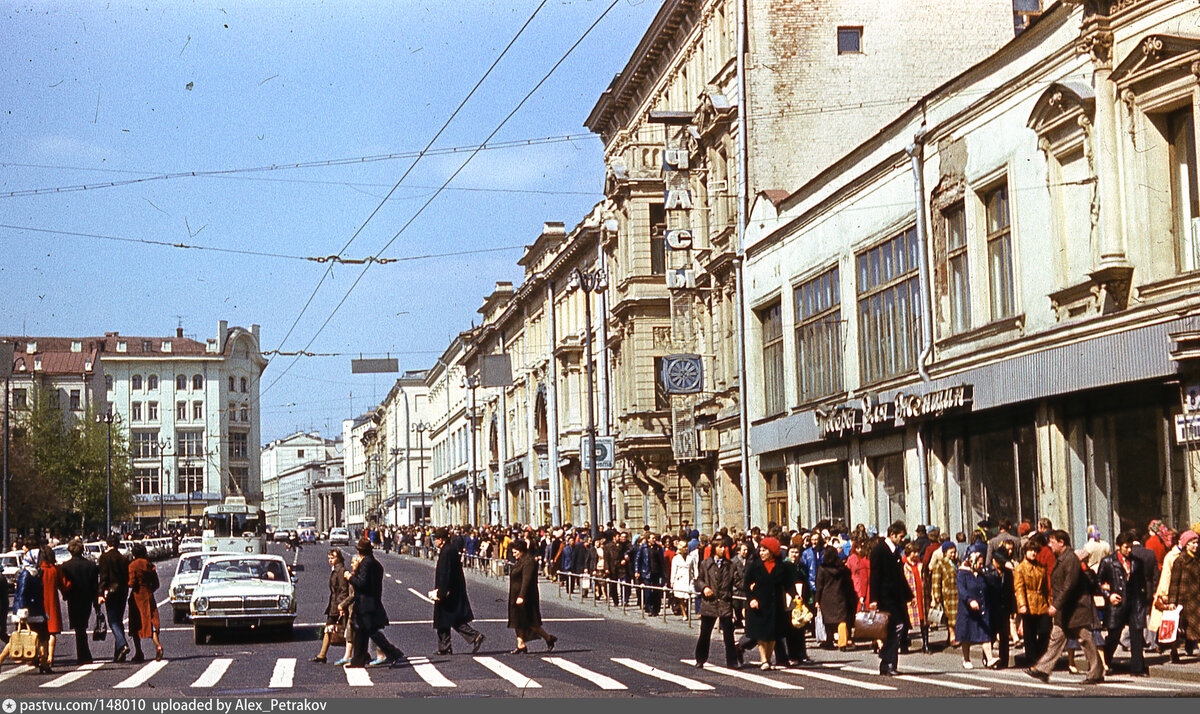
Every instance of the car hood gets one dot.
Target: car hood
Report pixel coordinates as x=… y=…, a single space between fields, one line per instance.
x=185 y=579
x=242 y=588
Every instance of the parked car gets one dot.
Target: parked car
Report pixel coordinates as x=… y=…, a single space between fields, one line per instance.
x=339 y=536
x=187 y=574
x=11 y=564
x=190 y=544
x=243 y=591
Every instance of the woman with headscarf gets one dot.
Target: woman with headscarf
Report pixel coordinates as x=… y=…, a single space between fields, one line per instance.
x=943 y=588
x=28 y=602
x=143 y=581
x=1096 y=547
x=52 y=585
x=524 y=608
x=1160 y=540
x=1184 y=589
x=768 y=583
x=974 y=625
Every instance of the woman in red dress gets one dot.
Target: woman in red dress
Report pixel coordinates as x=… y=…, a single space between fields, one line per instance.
x=52 y=585
x=143 y=581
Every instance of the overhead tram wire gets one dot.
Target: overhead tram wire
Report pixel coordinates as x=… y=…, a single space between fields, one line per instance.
x=431 y=199
x=428 y=146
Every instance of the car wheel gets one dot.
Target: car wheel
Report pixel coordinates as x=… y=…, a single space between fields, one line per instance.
x=200 y=633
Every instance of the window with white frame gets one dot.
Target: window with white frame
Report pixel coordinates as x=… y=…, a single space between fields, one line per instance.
x=197 y=411
x=958 y=287
x=1185 y=198
x=152 y=382
x=999 y=251
x=889 y=308
x=145 y=481
x=180 y=382
x=191 y=479
x=181 y=411
x=770 y=320
x=152 y=411
x=144 y=444
x=239 y=445
x=190 y=443
x=135 y=411
x=74 y=397
x=241 y=478
x=197 y=382
x=818 y=310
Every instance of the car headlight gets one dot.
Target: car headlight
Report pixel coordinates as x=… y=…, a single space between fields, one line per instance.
x=179 y=591
x=201 y=604
x=285 y=602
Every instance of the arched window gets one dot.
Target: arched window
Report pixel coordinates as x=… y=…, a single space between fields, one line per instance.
x=245 y=385
x=180 y=382
x=197 y=382
x=152 y=382
x=136 y=382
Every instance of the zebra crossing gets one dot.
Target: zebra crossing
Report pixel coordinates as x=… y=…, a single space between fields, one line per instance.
x=619 y=674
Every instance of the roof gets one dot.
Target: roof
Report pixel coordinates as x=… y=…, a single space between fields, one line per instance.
x=54 y=362
x=134 y=346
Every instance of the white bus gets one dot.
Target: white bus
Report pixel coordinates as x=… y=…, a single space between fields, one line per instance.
x=234 y=527
x=307 y=526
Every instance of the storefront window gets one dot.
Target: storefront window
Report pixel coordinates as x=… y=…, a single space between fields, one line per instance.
x=890 y=497
x=1003 y=469
x=831 y=488
x=777 y=502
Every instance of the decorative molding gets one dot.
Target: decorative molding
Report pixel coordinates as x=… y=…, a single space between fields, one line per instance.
x=1104 y=291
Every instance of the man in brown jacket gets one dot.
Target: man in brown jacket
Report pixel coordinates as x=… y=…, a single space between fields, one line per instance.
x=1071 y=610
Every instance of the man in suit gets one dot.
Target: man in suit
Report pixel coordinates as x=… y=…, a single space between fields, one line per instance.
x=890 y=593
x=1071 y=611
x=369 y=616
x=1123 y=579
x=82 y=577
x=451 y=608
x=114 y=591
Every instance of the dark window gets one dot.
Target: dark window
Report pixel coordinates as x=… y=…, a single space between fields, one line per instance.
x=152 y=382
x=771 y=322
x=20 y=399
x=197 y=382
x=658 y=239
x=74 y=400
x=849 y=40
x=136 y=382
x=819 y=336
x=239 y=445
x=662 y=400
x=999 y=251
x=245 y=385
x=108 y=382
x=957 y=284
x=180 y=382
x=889 y=308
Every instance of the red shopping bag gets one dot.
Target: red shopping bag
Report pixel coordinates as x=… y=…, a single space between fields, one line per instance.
x=1168 y=631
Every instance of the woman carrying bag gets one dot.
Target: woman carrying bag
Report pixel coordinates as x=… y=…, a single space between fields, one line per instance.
x=28 y=612
x=143 y=581
x=335 y=624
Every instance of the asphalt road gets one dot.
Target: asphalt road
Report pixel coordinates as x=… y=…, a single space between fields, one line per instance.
x=598 y=654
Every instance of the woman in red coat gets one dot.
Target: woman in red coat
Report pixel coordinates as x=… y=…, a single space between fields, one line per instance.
x=143 y=581
x=860 y=573
x=52 y=585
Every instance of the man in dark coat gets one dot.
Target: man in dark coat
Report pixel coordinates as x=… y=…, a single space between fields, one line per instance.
x=369 y=616
x=451 y=608
x=114 y=591
x=613 y=569
x=1123 y=579
x=716 y=579
x=1071 y=611
x=890 y=593
x=651 y=568
x=82 y=577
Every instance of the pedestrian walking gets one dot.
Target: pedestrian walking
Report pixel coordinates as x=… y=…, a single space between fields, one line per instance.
x=998 y=579
x=890 y=594
x=451 y=607
x=52 y=585
x=791 y=649
x=943 y=588
x=370 y=617
x=836 y=599
x=1161 y=603
x=524 y=607
x=114 y=589
x=143 y=581
x=717 y=578
x=1122 y=579
x=1071 y=610
x=335 y=616
x=28 y=601
x=1184 y=590
x=1031 y=590
x=974 y=624
x=768 y=583
x=918 y=608
x=82 y=577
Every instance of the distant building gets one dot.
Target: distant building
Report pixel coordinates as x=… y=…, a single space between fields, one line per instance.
x=354 y=467
x=302 y=476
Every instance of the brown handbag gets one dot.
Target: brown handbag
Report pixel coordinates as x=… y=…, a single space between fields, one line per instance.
x=870 y=625
x=22 y=643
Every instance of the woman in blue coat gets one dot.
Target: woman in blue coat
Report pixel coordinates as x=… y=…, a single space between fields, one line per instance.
x=973 y=624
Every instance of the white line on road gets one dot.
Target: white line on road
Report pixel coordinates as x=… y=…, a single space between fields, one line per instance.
x=212 y=675
x=421 y=595
x=73 y=676
x=507 y=673
x=744 y=676
x=358 y=677
x=873 y=686
x=164 y=602
x=921 y=680
x=429 y=673
x=20 y=669
x=285 y=671
x=141 y=676
x=397 y=581
x=1015 y=682
x=424 y=622
x=665 y=676
x=1140 y=687
x=594 y=677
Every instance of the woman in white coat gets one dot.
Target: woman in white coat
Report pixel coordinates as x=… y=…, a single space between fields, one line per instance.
x=682 y=578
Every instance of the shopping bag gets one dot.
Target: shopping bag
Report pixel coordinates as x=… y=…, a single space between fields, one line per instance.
x=870 y=625
x=819 y=632
x=100 y=631
x=585 y=582
x=801 y=615
x=937 y=616
x=1168 y=631
x=22 y=643
x=337 y=633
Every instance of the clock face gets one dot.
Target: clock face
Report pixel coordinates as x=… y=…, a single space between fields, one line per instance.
x=682 y=374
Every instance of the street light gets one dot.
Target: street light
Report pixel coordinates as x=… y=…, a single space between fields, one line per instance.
x=421 y=427
x=471 y=382
x=107 y=418
x=589 y=281
x=163 y=445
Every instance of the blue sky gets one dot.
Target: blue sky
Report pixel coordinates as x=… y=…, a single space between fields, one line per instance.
x=100 y=92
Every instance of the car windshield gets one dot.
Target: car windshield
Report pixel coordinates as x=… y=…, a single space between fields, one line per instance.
x=244 y=569
x=190 y=565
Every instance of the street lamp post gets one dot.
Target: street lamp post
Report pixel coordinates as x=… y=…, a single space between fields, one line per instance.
x=163 y=445
x=107 y=419
x=590 y=281
x=420 y=427
x=471 y=382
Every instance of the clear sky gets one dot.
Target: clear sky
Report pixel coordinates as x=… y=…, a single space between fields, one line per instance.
x=96 y=92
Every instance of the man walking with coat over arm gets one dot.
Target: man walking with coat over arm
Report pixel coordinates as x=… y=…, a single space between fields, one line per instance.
x=451 y=608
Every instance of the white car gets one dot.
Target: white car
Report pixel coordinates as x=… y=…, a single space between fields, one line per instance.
x=190 y=544
x=11 y=563
x=339 y=536
x=241 y=591
x=187 y=574
x=92 y=551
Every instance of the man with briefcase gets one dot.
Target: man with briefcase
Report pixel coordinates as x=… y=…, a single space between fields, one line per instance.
x=890 y=594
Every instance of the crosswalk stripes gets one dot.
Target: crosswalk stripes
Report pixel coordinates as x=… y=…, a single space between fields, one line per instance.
x=1140 y=687
x=826 y=676
x=429 y=673
x=141 y=676
x=507 y=673
x=80 y=673
x=745 y=676
x=600 y=680
x=665 y=676
x=358 y=677
x=285 y=671
x=420 y=594
x=19 y=669
x=948 y=684
x=1021 y=679
x=1029 y=683
x=216 y=669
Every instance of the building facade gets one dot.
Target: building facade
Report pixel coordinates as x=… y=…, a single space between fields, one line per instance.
x=1019 y=341
x=403 y=499
x=302 y=476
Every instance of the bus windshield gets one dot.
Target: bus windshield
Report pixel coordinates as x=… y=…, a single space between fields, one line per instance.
x=229 y=525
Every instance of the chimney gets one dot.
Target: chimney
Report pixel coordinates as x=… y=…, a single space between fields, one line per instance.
x=179 y=332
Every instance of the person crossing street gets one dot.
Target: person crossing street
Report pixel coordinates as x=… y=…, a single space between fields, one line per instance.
x=451 y=608
x=369 y=616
